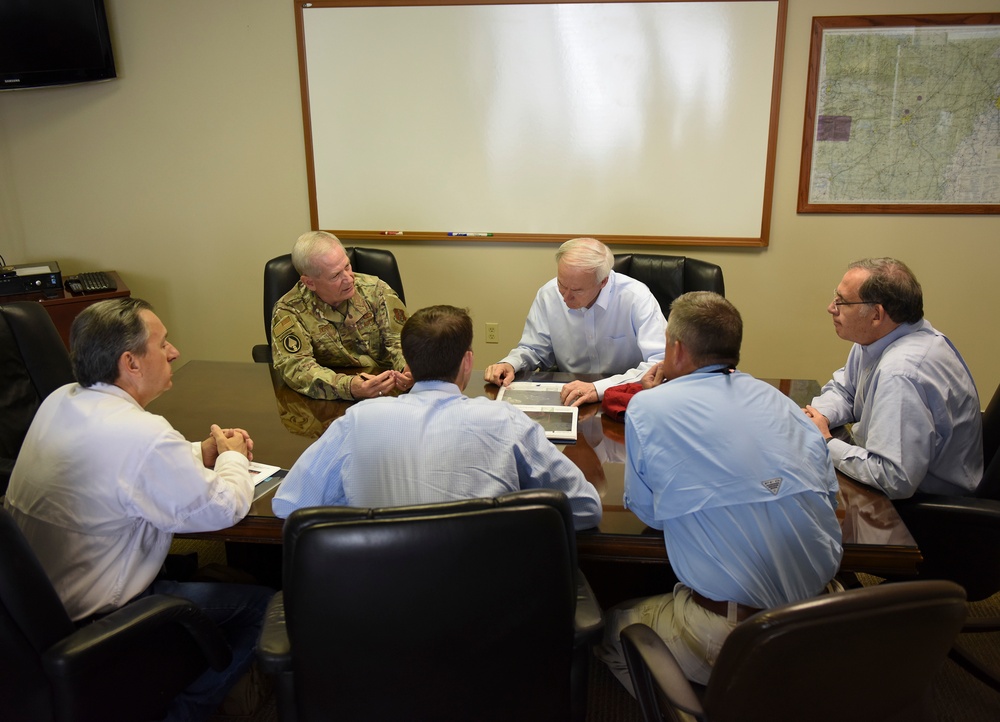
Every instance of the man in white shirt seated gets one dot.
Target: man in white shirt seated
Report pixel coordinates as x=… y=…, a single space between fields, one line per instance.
x=588 y=319
x=433 y=444
x=917 y=423
x=100 y=487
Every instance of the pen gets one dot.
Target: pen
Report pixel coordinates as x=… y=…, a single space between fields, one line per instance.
x=366 y=377
x=478 y=235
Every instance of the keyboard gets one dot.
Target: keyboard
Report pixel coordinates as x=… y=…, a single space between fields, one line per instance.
x=92 y=282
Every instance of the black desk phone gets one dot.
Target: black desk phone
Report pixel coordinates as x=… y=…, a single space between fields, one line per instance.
x=92 y=282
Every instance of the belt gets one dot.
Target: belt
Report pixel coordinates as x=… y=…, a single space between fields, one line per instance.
x=722 y=608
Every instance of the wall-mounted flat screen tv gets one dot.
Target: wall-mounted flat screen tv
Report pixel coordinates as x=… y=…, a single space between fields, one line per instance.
x=53 y=42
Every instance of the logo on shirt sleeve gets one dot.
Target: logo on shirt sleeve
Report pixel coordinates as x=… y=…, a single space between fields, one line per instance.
x=291 y=343
x=772 y=485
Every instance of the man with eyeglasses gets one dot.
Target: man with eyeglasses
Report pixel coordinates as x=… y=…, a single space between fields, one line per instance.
x=917 y=424
x=334 y=318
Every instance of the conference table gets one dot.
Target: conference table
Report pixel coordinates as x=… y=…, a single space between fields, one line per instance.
x=283 y=423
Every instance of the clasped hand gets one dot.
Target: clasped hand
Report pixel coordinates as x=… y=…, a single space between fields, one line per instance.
x=222 y=440
x=367 y=386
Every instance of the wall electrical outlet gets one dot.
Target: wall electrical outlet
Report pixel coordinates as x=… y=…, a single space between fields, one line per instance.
x=493 y=333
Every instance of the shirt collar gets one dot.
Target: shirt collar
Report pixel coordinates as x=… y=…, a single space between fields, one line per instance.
x=604 y=297
x=713 y=368
x=439 y=386
x=877 y=347
x=109 y=389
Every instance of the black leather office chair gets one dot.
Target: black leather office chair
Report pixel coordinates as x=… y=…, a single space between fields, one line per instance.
x=670 y=276
x=959 y=540
x=128 y=665
x=865 y=654
x=280 y=275
x=33 y=363
x=469 y=610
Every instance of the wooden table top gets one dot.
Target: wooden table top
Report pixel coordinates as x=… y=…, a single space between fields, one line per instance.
x=283 y=423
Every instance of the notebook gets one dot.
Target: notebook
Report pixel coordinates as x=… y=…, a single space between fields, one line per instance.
x=265 y=477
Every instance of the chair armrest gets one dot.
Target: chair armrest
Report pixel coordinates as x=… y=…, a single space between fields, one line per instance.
x=957 y=537
x=655 y=672
x=124 y=633
x=274 y=651
x=131 y=663
x=982 y=624
x=588 y=623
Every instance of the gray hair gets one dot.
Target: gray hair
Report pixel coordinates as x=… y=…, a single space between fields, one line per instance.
x=891 y=284
x=308 y=247
x=708 y=325
x=102 y=333
x=587 y=253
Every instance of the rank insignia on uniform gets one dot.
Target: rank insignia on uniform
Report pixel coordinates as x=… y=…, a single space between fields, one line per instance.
x=291 y=343
x=400 y=315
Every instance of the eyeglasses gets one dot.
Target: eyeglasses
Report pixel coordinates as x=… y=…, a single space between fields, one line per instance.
x=839 y=303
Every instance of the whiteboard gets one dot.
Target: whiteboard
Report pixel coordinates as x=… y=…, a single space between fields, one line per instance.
x=643 y=122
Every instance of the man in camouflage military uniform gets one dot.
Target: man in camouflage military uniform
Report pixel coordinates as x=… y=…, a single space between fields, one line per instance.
x=333 y=318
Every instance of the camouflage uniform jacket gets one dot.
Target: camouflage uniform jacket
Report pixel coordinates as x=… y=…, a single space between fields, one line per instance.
x=309 y=338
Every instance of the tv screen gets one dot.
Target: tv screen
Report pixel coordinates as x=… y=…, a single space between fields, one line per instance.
x=53 y=42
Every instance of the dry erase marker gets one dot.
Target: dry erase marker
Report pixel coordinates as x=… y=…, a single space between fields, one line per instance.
x=392 y=233
x=477 y=235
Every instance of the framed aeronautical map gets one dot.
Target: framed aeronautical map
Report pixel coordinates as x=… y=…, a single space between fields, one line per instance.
x=902 y=115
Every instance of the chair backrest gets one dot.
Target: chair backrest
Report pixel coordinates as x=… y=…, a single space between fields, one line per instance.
x=32 y=619
x=33 y=363
x=874 y=650
x=670 y=276
x=989 y=487
x=280 y=275
x=453 y=611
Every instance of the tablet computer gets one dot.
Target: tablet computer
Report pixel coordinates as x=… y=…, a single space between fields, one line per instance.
x=559 y=422
x=530 y=392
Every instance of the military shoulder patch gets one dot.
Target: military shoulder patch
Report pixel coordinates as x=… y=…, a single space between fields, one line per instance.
x=400 y=315
x=291 y=343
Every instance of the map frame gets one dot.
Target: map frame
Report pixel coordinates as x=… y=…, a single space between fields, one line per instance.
x=815 y=194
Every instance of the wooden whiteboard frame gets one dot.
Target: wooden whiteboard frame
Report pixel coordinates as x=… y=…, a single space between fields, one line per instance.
x=406 y=234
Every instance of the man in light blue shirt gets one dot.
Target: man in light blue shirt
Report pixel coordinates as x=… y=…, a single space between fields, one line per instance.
x=434 y=444
x=917 y=424
x=739 y=481
x=588 y=319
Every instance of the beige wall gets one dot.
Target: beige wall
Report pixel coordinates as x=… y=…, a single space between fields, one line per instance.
x=187 y=172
